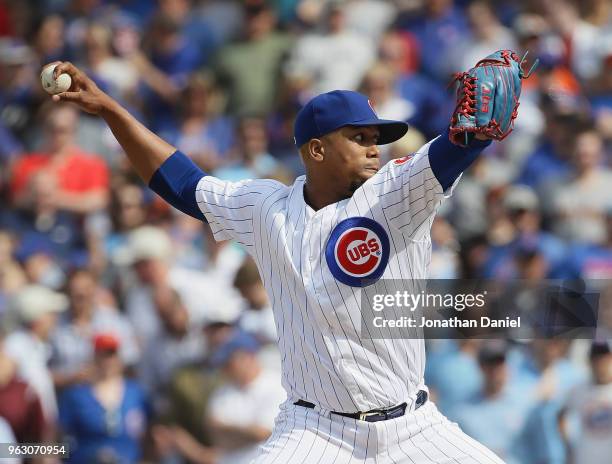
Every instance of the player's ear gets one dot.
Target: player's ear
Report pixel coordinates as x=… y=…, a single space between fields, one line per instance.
x=316 y=150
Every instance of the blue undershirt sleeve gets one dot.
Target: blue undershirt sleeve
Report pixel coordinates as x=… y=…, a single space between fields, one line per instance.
x=176 y=181
x=448 y=160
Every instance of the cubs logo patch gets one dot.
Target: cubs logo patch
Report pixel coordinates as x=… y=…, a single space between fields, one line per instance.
x=357 y=251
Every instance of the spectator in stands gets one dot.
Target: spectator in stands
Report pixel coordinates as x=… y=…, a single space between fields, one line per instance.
x=249 y=69
x=522 y=225
x=254 y=161
x=72 y=357
x=294 y=92
x=551 y=157
x=578 y=202
x=178 y=344
x=223 y=259
x=165 y=69
x=188 y=401
x=187 y=396
x=438 y=28
x=37 y=308
x=444 y=251
x=12 y=276
x=106 y=418
x=20 y=404
x=470 y=214
x=186 y=435
x=10 y=146
x=138 y=11
x=487 y=35
x=400 y=51
x=82 y=178
x=592 y=261
x=369 y=17
x=257 y=317
x=578 y=37
x=170 y=51
x=588 y=411
x=189 y=241
x=200 y=132
x=600 y=94
x=495 y=416
x=193 y=27
x=49 y=40
x=115 y=74
x=40 y=267
x=224 y=19
x=347 y=54
x=458 y=359
x=529 y=33
x=41 y=225
x=380 y=85
x=242 y=412
x=127 y=212
x=149 y=252
x=5 y=14
x=18 y=79
x=548 y=376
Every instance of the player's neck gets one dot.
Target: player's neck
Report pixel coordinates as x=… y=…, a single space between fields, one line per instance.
x=318 y=193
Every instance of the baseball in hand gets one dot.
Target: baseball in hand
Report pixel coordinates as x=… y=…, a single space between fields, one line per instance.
x=54 y=86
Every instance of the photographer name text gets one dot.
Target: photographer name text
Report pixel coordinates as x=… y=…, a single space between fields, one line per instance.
x=452 y=322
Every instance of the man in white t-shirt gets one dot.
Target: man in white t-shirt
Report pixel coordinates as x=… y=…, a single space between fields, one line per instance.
x=347 y=55
x=150 y=253
x=241 y=412
x=37 y=308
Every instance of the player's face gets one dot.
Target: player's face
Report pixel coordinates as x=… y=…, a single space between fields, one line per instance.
x=353 y=154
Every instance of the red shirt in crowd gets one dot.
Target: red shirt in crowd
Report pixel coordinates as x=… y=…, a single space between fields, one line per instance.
x=21 y=408
x=79 y=172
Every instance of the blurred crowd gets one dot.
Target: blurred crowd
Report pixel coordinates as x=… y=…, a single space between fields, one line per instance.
x=130 y=334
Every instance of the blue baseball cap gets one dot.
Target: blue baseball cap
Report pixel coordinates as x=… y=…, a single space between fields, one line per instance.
x=332 y=110
x=238 y=341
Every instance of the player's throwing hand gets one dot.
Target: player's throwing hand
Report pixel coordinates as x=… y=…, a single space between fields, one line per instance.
x=83 y=91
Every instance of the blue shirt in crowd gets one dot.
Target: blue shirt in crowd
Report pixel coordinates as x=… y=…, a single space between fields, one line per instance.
x=442 y=370
x=97 y=435
x=496 y=421
x=543 y=164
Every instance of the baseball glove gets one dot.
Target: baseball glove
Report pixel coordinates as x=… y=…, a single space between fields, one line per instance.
x=488 y=97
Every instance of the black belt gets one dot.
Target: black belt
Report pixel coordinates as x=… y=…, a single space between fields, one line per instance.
x=375 y=415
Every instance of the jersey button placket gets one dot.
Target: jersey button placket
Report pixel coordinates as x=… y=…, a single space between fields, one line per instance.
x=305 y=251
x=313 y=240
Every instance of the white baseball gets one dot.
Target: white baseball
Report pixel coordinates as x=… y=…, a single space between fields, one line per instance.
x=54 y=86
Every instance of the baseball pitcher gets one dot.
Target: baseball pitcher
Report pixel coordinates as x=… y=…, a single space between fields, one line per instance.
x=320 y=242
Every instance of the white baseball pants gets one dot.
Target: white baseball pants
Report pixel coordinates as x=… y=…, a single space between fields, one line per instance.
x=424 y=436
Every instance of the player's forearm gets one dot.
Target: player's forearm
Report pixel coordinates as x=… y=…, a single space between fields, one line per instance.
x=448 y=161
x=145 y=150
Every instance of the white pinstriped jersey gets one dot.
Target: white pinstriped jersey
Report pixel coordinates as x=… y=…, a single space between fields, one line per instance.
x=311 y=263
